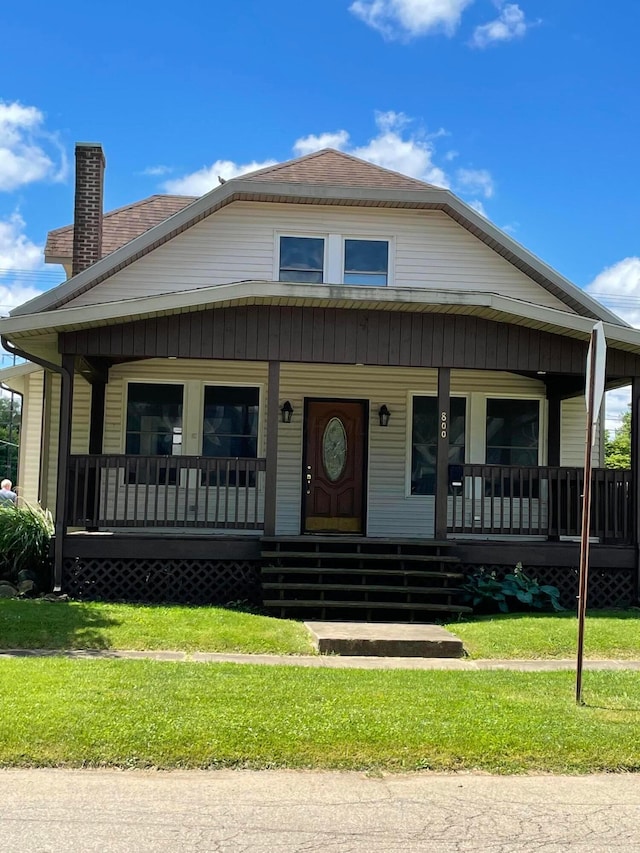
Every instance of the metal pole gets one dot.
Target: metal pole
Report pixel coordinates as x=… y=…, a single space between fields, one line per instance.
x=586 y=521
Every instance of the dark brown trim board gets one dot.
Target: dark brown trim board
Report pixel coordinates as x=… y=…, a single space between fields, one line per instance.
x=344 y=336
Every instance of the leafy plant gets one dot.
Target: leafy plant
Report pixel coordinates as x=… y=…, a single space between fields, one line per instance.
x=25 y=533
x=514 y=591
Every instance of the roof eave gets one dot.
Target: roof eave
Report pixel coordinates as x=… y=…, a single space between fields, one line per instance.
x=259 y=291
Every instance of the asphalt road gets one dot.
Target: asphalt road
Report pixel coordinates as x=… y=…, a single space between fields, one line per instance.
x=308 y=812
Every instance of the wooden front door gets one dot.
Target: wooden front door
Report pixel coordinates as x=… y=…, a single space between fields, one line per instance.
x=334 y=467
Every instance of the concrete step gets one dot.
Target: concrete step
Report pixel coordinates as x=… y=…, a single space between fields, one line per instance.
x=384 y=639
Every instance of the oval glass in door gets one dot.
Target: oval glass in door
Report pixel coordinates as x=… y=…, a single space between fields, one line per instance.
x=334 y=449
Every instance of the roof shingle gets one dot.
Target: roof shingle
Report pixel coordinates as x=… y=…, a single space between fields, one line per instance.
x=121 y=225
x=329 y=166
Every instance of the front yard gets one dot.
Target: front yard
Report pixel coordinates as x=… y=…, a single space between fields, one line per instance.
x=129 y=713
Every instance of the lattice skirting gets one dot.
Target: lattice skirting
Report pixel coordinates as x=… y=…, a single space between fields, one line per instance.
x=607 y=587
x=180 y=581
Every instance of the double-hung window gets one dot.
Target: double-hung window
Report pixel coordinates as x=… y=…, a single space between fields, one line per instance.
x=230 y=430
x=302 y=259
x=366 y=262
x=424 y=440
x=154 y=428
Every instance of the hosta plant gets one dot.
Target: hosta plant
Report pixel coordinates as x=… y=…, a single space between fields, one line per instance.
x=511 y=592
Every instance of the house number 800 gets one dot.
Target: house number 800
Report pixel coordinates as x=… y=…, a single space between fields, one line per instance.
x=443 y=425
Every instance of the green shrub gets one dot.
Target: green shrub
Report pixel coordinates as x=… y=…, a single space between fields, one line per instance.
x=515 y=591
x=25 y=533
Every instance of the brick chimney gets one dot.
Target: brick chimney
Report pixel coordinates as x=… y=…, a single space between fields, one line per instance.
x=87 y=218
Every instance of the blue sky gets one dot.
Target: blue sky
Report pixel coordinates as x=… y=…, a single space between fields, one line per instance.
x=527 y=110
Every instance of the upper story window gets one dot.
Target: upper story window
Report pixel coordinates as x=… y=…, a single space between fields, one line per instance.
x=366 y=262
x=302 y=259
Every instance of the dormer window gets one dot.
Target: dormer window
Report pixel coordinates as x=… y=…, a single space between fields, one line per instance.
x=366 y=262
x=302 y=259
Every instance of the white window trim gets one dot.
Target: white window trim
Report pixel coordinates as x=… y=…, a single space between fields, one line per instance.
x=465 y=395
x=378 y=238
x=312 y=235
x=334 y=254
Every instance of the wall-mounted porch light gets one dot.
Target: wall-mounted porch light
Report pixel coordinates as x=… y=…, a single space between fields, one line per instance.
x=384 y=414
x=287 y=412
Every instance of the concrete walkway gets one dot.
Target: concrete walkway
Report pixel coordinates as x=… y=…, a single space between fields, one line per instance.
x=331 y=661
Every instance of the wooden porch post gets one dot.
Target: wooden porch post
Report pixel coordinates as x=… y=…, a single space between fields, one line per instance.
x=64 y=449
x=553 y=433
x=96 y=422
x=271 y=473
x=635 y=474
x=442 y=453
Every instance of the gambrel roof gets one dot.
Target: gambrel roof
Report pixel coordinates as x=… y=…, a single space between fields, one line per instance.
x=327 y=177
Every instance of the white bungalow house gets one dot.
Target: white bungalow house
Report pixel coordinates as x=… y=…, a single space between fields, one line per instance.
x=324 y=369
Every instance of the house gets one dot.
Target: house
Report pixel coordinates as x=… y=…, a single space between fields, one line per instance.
x=326 y=368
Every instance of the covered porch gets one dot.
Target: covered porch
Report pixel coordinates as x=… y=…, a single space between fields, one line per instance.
x=397 y=360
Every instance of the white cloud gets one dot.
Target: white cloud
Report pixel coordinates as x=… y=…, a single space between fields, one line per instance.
x=478 y=206
x=412 y=155
x=476 y=180
x=17 y=252
x=206 y=179
x=26 y=149
x=616 y=404
x=16 y=293
x=618 y=286
x=21 y=264
x=311 y=143
x=402 y=19
x=156 y=171
x=510 y=24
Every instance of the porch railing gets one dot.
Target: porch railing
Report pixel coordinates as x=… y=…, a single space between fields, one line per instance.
x=539 y=501
x=165 y=491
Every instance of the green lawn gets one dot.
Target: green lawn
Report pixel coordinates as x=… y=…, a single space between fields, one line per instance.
x=92 y=625
x=613 y=634
x=149 y=714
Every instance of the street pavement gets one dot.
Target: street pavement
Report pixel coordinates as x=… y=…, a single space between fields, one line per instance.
x=241 y=811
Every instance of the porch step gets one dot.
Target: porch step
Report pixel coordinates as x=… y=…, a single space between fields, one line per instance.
x=345 y=587
x=357 y=570
x=335 y=604
x=372 y=579
x=359 y=555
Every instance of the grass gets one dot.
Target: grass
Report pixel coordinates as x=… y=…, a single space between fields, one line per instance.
x=609 y=634
x=41 y=624
x=59 y=712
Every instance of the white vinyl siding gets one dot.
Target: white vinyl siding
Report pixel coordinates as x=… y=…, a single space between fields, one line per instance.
x=30 y=437
x=238 y=243
x=573 y=424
